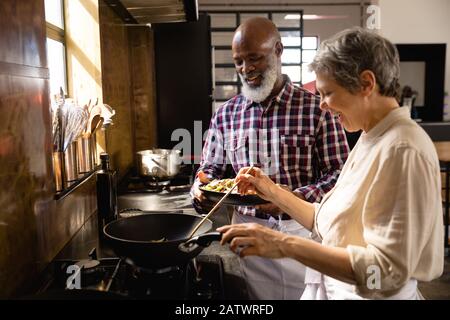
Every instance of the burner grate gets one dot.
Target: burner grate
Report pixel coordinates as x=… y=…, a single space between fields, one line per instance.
x=201 y=279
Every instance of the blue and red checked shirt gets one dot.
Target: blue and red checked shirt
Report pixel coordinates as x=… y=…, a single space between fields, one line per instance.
x=294 y=142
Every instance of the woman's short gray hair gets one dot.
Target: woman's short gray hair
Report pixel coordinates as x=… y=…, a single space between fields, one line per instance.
x=350 y=52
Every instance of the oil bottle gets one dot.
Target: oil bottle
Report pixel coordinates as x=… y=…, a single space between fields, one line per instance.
x=106 y=193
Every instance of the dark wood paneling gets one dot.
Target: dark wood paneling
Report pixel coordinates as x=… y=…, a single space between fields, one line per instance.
x=25 y=139
x=23 y=71
x=22 y=31
x=33 y=226
x=59 y=220
x=144 y=93
x=116 y=83
x=183 y=79
x=25 y=175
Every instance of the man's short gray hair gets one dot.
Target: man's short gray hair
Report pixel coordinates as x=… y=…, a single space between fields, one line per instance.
x=350 y=52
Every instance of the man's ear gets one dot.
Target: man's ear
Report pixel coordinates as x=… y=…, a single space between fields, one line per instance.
x=278 y=48
x=368 y=82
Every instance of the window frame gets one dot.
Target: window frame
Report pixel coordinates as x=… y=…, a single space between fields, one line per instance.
x=269 y=14
x=55 y=33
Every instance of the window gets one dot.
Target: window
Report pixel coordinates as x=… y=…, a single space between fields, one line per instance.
x=56 y=45
x=299 y=50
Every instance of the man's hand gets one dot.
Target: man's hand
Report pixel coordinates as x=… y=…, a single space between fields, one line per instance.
x=201 y=203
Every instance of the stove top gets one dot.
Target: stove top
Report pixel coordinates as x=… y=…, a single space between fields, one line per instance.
x=134 y=183
x=149 y=194
x=201 y=279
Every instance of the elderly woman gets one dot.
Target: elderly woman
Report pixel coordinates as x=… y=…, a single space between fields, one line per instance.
x=380 y=229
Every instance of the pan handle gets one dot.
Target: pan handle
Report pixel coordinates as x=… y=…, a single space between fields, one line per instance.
x=202 y=240
x=205 y=239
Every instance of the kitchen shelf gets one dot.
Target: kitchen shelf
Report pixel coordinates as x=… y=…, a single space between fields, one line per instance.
x=62 y=194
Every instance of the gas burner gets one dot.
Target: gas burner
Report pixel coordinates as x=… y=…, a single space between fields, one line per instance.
x=160 y=271
x=119 y=278
x=156 y=183
x=157 y=272
x=146 y=184
x=149 y=180
x=134 y=183
x=164 y=283
x=90 y=271
x=88 y=266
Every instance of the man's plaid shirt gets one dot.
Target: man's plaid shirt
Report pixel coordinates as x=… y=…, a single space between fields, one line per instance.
x=292 y=140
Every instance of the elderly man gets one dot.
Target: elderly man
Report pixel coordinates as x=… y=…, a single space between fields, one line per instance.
x=279 y=127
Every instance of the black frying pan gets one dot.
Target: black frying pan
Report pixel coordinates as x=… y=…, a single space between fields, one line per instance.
x=138 y=238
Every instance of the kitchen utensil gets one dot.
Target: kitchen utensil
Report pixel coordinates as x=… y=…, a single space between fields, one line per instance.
x=98 y=126
x=137 y=238
x=61 y=126
x=84 y=150
x=94 y=123
x=70 y=164
x=58 y=164
x=94 y=139
x=217 y=205
x=107 y=113
x=93 y=152
x=161 y=164
x=75 y=122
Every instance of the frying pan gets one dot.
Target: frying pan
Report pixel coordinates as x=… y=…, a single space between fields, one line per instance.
x=159 y=240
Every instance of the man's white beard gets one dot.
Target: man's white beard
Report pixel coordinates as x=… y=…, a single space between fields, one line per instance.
x=259 y=94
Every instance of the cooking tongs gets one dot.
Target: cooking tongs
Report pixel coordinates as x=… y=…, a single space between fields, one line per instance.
x=216 y=206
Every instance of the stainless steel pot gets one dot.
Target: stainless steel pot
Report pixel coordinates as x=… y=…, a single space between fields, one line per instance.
x=159 y=163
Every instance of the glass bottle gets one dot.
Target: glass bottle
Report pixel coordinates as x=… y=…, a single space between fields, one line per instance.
x=106 y=193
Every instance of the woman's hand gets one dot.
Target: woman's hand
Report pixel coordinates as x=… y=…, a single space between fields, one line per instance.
x=249 y=239
x=255 y=181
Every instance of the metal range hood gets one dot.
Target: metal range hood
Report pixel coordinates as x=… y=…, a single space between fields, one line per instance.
x=145 y=12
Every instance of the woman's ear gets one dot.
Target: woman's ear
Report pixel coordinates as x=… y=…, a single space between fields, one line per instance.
x=368 y=82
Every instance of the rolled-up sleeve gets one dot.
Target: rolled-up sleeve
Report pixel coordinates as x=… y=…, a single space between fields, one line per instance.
x=315 y=235
x=402 y=223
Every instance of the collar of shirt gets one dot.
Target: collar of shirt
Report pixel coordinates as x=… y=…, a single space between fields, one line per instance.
x=397 y=114
x=282 y=98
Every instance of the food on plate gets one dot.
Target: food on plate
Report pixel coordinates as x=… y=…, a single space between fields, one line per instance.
x=221 y=185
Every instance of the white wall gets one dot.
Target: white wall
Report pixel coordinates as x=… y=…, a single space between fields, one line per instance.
x=417 y=21
x=402 y=21
x=350 y=16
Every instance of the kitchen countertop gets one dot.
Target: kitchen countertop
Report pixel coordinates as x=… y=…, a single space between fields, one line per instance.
x=443 y=150
x=86 y=239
